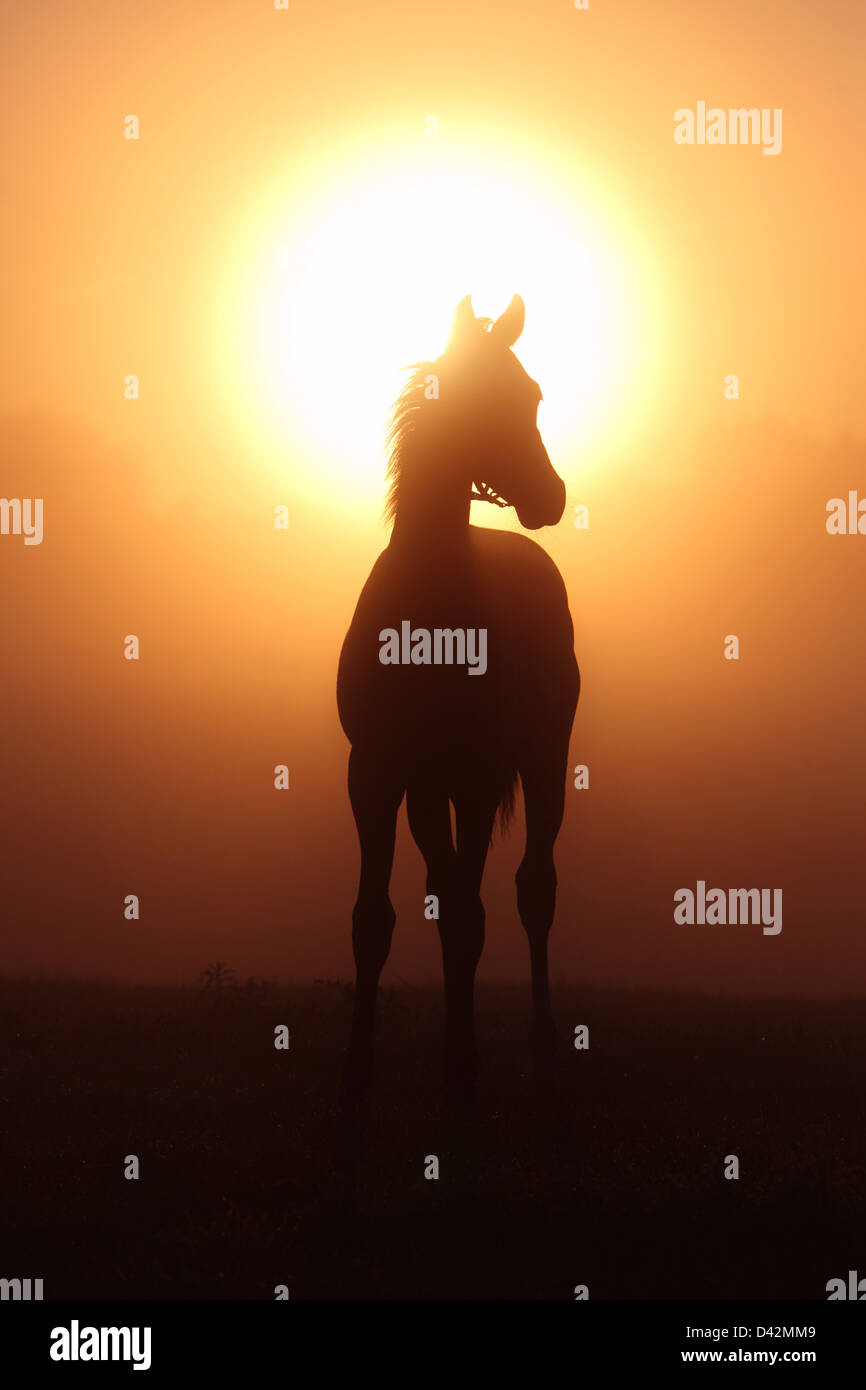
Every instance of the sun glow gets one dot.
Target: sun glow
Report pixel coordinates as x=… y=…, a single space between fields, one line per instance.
x=359 y=277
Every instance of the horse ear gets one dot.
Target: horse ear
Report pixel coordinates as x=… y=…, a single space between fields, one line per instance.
x=463 y=321
x=509 y=326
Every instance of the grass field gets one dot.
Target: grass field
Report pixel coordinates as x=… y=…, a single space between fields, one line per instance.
x=235 y=1139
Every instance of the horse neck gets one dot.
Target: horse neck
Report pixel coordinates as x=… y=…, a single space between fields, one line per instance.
x=433 y=504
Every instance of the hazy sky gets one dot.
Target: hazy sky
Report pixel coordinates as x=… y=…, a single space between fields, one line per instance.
x=654 y=271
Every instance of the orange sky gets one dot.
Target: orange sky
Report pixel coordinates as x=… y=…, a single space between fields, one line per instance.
x=706 y=515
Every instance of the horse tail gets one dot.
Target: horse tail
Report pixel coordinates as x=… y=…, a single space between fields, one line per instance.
x=430 y=816
x=507 y=800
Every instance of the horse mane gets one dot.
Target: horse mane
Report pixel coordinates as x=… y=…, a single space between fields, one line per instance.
x=402 y=424
x=404 y=419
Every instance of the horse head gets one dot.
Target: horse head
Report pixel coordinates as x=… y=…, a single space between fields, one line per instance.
x=492 y=405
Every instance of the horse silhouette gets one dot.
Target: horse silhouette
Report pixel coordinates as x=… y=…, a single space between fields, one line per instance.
x=430 y=720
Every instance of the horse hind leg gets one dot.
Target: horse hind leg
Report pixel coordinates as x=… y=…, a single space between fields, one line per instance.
x=429 y=813
x=454 y=877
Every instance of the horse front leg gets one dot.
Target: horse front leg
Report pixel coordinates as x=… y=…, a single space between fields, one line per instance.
x=375 y=794
x=544 y=797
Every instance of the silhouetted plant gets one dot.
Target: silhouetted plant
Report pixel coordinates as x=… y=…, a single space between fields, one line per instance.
x=218 y=977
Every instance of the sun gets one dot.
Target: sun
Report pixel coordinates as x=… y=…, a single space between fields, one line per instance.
x=357 y=278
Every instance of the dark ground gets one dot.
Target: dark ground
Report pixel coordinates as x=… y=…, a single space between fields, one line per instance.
x=237 y=1190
